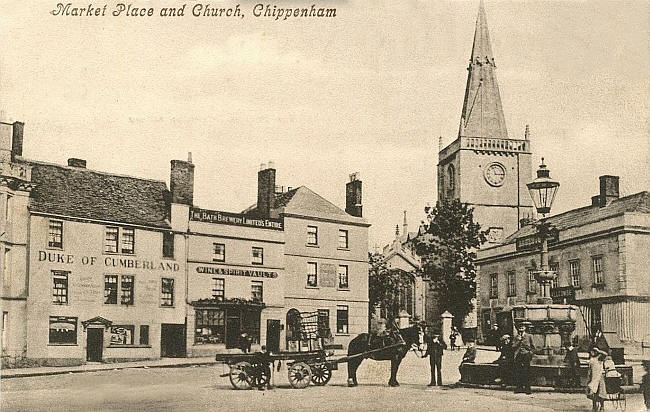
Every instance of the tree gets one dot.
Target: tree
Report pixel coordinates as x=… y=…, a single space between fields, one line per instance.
x=446 y=249
x=385 y=285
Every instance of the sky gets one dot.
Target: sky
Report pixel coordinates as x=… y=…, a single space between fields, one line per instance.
x=368 y=91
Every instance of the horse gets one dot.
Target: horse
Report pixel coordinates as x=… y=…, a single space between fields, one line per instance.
x=413 y=335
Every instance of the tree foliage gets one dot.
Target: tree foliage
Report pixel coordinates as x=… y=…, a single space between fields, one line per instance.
x=447 y=251
x=385 y=284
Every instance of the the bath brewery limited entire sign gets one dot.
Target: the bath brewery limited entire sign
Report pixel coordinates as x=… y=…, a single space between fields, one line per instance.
x=235 y=219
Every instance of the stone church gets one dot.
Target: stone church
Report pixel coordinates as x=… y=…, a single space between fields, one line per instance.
x=484 y=167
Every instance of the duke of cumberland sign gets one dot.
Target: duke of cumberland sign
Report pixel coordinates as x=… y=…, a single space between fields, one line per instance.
x=235 y=219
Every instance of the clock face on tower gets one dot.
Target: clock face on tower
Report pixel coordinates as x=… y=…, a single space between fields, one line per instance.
x=495 y=174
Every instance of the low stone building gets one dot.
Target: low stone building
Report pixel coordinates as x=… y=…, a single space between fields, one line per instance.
x=600 y=256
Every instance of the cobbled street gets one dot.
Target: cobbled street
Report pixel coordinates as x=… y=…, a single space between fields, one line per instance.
x=200 y=389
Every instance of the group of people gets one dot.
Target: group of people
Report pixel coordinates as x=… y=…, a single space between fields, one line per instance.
x=515 y=358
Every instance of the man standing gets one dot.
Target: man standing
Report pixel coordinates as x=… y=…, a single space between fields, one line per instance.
x=572 y=361
x=435 y=348
x=523 y=349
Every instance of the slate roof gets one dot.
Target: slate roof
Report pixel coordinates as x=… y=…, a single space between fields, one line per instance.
x=84 y=193
x=639 y=203
x=304 y=200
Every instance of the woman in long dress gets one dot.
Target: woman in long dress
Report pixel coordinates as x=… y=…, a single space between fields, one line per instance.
x=596 y=390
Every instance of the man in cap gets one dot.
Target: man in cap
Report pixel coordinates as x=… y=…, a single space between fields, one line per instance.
x=523 y=347
x=435 y=349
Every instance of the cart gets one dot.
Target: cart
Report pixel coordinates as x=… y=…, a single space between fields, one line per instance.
x=247 y=370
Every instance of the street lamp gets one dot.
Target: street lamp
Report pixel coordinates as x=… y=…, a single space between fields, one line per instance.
x=543 y=190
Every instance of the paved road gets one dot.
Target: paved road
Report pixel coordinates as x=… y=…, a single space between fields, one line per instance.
x=200 y=388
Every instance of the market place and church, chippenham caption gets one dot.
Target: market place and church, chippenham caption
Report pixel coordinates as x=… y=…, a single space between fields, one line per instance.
x=259 y=10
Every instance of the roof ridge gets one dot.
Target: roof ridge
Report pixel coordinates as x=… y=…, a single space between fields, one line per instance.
x=85 y=169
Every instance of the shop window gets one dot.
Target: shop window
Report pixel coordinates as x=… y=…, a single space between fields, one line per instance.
x=574 y=273
x=63 y=330
x=312 y=277
x=144 y=334
x=312 y=235
x=343 y=239
x=218 y=252
x=168 y=244
x=167 y=292
x=257 y=291
x=122 y=334
x=494 y=286
x=119 y=240
x=60 y=287
x=258 y=256
x=512 y=284
x=341 y=319
x=210 y=326
x=55 y=234
x=343 y=277
x=218 y=288
x=127 y=290
x=597 y=261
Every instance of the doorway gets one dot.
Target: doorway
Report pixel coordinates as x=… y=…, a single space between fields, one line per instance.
x=273 y=335
x=172 y=340
x=233 y=329
x=94 y=344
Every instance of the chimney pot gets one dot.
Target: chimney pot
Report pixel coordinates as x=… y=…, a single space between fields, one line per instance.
x=75 y=162
x=262 y=166
x=271 y=164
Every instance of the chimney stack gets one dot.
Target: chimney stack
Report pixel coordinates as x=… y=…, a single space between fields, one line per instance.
x=181 y=181
x=17 y=139
x=265 y=189
x=608 y=189
x=353 y=204
x=75 y=162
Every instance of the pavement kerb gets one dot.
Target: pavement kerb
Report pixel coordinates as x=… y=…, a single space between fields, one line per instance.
x=624 y=389
x=18 y=373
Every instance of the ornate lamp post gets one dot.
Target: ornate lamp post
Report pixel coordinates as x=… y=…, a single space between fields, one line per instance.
x=543 y=190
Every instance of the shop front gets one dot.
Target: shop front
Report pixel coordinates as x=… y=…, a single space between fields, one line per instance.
x=220 y=324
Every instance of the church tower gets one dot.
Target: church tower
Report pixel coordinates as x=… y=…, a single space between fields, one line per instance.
x=483 y=166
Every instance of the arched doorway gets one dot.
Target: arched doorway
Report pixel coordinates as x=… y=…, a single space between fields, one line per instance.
x=293 y=328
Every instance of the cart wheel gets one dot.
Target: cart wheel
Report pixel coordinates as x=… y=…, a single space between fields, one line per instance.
x=321 y=374
x=299 y=375
x=260 y=377
x=240 y=375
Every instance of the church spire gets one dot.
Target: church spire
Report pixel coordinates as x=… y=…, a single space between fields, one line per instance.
x=482 y=114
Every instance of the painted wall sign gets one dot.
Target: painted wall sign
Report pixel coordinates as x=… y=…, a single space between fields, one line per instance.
x=534 y=242
x=253 y=273
x=327 y=275
x=235 y=219
x=108 y=261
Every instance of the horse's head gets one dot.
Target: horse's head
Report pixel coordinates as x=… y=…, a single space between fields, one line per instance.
x=414 y=337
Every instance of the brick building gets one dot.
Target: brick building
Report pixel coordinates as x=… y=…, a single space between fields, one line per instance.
x=600 y=257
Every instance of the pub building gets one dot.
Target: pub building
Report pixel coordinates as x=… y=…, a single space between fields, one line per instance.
x=104 y=281
x=599 y=255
